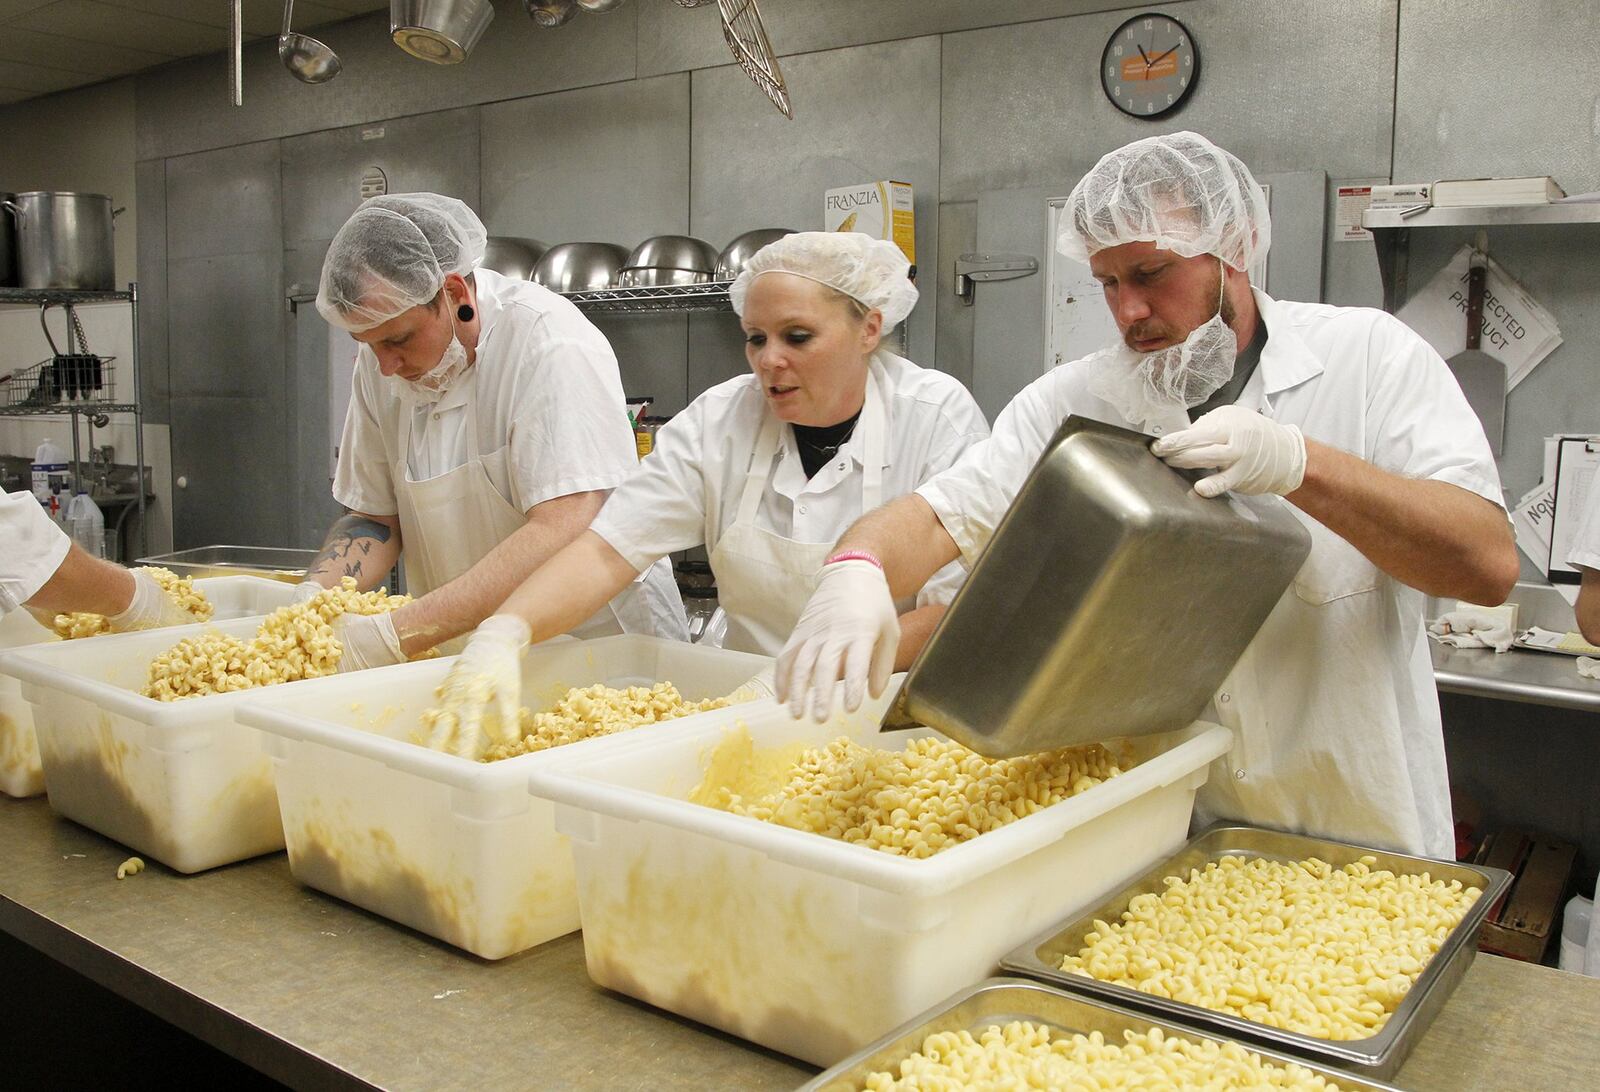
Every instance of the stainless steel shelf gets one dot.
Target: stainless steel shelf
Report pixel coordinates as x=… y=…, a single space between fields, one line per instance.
x=1391 y=232
x=672 y=298
x=32 y=297
x=65 y=408
x=1583 y=212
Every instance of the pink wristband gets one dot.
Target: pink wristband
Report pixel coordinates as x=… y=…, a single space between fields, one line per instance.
x=855 y=555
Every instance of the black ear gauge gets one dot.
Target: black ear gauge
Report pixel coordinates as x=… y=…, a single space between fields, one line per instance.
x=465 y=312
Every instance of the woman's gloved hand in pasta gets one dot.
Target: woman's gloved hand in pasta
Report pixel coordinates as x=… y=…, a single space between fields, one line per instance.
x=151 y=608
x=848 y=630
x=369 y=640
x=479 y=699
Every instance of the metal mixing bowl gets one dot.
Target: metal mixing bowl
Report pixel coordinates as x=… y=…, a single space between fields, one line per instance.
x=741 y=250
x=512 y=257
x=674 y=252
x=580 y=267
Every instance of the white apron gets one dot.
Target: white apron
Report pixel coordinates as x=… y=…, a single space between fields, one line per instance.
x=764 y=579
x=450 y=522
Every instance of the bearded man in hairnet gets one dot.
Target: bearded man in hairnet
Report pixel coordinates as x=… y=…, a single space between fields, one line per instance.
x=486 y=428
x=1345 y=412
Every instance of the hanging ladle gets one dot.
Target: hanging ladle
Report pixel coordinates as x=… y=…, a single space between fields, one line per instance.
x=307 y=59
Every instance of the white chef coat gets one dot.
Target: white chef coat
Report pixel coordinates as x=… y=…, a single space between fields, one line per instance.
x=687 y=490
x=550 y=421
x=32 y=548
x=1333 y=706
x=1585 y=549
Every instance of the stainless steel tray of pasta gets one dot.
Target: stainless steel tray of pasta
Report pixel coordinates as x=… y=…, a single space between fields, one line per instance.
x=1049 y=1038
x=1321 y=949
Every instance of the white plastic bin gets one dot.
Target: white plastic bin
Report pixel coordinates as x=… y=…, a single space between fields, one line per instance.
x=453 y=848
x=178 y=781
x=20 y=772
x=816 y=947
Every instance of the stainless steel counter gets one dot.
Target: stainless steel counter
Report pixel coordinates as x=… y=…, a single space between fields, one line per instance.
x=1542 y=678
x=318 y=994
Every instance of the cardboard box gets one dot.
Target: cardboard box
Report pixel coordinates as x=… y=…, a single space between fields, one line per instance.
x=1521 y=926
x=880 y=209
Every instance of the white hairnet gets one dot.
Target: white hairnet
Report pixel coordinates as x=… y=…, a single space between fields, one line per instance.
x=393 y=254
x=1180 y=192
x=871 y=271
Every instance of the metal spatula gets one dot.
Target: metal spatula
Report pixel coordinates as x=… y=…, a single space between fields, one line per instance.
x=1482 y=377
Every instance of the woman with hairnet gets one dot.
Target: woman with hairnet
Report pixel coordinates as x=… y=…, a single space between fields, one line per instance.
x=486 y=427
x=1345 y=412
x=764 y=470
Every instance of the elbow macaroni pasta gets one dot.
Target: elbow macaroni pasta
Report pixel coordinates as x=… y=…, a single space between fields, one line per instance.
x=131 y=867
x=1023 y=1055
x=599 y=710
x=294 y=642
x=181 y=588
x=1324 y=951
x=914 y=803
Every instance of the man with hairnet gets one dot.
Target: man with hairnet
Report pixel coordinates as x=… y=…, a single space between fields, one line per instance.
x=1343 y=411
x=486 y=428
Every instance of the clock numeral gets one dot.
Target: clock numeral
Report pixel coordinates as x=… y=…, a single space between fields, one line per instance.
x=1169 y=100
x=1117 y=52
x=1149 y=24
x=1149 y=106
x=1188 y=59
x=1183 y=81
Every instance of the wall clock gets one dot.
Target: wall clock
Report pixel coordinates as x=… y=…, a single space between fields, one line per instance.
x=1149 y=66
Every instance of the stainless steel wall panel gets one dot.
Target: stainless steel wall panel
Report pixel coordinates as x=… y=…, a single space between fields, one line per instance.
x=958 y=234
x=1350 y=275
x=716 y=351
x=673 y=39
x=1520 y=97
x=1008 y=331
x=150 y=191
x=322 y=171
x=226 y=316
x=652 y=355
x=312 y=508
x=608 y=163
x=1525 y=101
x=873 y=116
x=224 y=202
x=1286 y=85
x=231 y=457
x=183 y=106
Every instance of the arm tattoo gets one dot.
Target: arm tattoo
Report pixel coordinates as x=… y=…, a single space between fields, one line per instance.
x=350 y=535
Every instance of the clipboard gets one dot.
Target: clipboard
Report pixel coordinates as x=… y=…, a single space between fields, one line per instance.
x=1577 y=458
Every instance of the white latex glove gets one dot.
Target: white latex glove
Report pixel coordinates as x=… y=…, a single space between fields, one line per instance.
x=369 y=640
x=481 y=695
x=1252 y=453
x=305 y=591
x=849 y=630
x=151 y=607
x=1589 y=667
